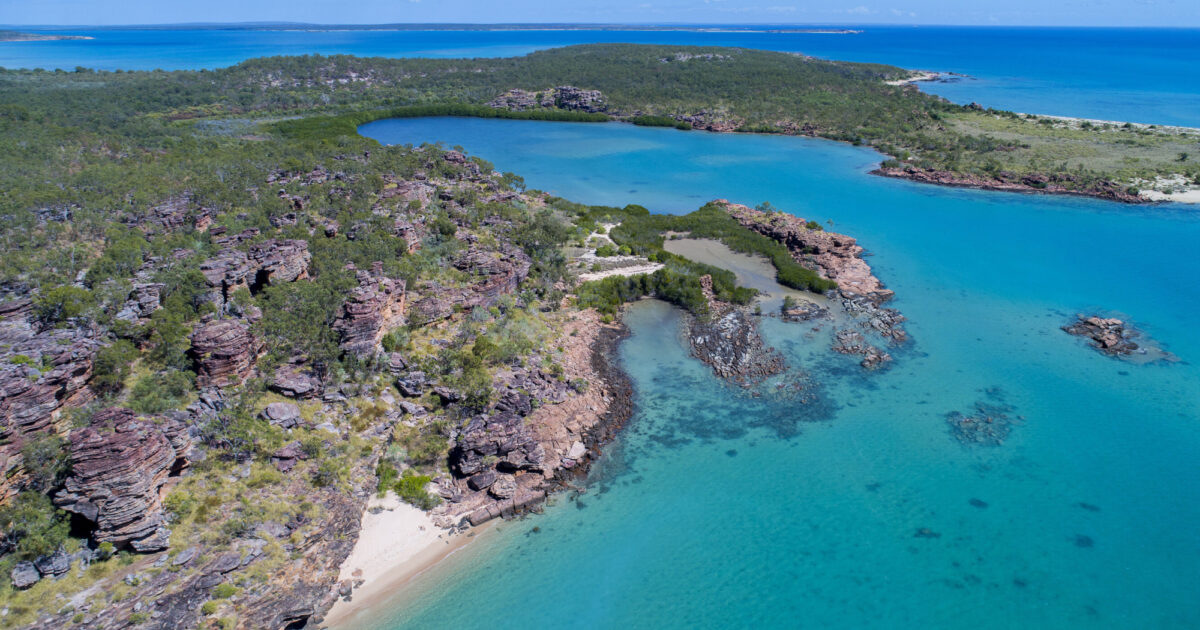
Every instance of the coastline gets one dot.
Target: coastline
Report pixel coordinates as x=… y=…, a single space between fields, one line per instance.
x=396 y=543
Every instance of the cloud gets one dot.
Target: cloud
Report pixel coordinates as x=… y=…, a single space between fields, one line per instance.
x=902 y=13
x=860 y=10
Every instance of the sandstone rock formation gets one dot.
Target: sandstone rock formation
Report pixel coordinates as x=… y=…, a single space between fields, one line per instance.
x=224 y=352
x=40 y=374
x=498 y=273
x=1113 y=337
x=729 y=342
x=143 y=300
x=1061 y=183
x=119 y=464
x=269 y=262
x=374 y=308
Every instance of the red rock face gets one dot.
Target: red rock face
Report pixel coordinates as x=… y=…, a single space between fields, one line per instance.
x=498 y=273
x=835 y=256
x=33 y=390
x=270 y=262
x=119 y=464
x=224 y=352
x=374 y=308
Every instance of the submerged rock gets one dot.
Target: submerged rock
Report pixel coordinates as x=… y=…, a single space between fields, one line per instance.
x=853 y=342
x=987 y=425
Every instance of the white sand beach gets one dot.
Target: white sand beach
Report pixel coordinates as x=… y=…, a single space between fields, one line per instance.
x=396 y=543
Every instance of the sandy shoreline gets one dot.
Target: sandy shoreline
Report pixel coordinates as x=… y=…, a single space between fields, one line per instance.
x=397 y=542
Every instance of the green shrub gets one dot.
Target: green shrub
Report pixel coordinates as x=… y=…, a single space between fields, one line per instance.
x=411 y=489
x=224 y=590
x=156 y=393
x=33 y=525
x=47 y=461
x=111 y=367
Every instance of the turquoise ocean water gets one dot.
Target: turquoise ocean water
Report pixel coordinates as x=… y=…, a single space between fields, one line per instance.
x=1143 y=75
x=714 y=509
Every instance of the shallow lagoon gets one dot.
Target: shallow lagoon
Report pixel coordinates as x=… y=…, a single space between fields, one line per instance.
x=717 y=509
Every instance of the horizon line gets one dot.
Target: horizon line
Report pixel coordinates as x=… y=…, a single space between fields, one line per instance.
x=270 y=23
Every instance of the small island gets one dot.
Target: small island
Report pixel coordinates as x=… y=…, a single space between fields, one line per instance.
x=18 y=36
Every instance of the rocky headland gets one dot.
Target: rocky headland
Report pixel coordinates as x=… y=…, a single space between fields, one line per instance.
x=860 y=294
x=1059 y=183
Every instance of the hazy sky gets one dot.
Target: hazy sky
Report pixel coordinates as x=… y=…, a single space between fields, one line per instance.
x=1010 y=12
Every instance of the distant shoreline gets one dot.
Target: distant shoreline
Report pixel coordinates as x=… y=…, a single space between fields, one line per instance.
x=302 y=27
x=18 y=36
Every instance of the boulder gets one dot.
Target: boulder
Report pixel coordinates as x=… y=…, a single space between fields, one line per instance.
x=294 y=382
x=482 y=481
x=286 y=457
x=119 y=464
x=284 y=415
x=24 y=575
x=53 y=565
x=412 y=384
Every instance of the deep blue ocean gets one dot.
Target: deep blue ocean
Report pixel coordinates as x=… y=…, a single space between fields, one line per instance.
x=716 y=509
x=1140 y=75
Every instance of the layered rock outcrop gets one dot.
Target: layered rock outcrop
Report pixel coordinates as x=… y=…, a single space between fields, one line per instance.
x=269 y=262
x=1060 y=183
x=376 y=306
x=541 y=431
x=498 y=273
x=119 y=464
x=40 y=374
x=224 y=351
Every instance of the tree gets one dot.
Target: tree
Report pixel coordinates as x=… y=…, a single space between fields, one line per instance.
x=60 y=304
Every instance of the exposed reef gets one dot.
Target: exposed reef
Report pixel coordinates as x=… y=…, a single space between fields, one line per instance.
x=1116 y=338
x=727 y=339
